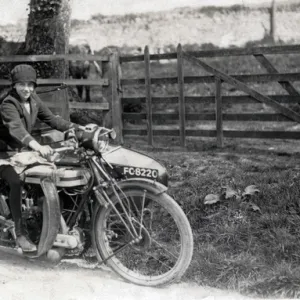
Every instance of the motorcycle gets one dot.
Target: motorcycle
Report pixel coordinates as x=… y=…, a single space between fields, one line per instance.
x=104 y=196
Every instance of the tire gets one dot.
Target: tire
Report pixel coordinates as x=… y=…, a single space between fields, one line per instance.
x=149 y=262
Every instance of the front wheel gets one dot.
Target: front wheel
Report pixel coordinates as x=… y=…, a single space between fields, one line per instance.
x=164 y=249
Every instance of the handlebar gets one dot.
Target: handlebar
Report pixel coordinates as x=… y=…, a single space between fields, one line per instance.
x=56 y=155
x=64 y=149
x=90 y=136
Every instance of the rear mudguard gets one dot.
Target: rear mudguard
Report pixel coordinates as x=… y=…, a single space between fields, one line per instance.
x=51 y=216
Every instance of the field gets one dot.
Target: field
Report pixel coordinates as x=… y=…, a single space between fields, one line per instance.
x=203 y=25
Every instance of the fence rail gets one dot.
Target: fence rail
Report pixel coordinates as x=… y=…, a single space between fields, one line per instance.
x=213 y=133
x=262 y=117
x=208 y=99
x=57 y=82
x=211 y=79
x=288 y=49
x=39 y=58
x=83 y=105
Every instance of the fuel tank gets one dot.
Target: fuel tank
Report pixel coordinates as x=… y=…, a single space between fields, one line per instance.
x=133 y=164
x=62 y=176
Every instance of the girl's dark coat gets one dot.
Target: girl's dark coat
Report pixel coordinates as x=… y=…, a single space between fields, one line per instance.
x=16 y=123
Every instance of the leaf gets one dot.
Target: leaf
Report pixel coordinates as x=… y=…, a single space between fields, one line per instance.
x=230 y=193
x=211 y=199
x=253 y=207
x=238 y=198
x=250 y=190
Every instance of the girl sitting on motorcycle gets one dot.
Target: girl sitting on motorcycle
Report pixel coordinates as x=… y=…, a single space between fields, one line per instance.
x=19 y=111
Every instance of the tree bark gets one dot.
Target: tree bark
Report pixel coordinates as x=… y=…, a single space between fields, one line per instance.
x=48 y=32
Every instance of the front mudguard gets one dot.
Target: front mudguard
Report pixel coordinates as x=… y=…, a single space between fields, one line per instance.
x=51 y=216
x=155 y=187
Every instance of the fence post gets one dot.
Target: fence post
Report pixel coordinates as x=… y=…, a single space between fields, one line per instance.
x=180 y=75
x=113 y=118
x=148 y=95
x=219 y=118
x=106 y=93
x=273 y=21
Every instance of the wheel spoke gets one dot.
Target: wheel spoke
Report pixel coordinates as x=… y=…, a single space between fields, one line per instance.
x=159 y=244
x=142 y=214
x=163 y=263
x=126 y=213
x=141 y=225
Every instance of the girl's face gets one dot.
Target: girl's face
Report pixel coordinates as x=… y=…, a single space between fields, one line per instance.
x=24 y=89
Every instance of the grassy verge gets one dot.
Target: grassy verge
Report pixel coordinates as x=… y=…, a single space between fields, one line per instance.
x=252 y=252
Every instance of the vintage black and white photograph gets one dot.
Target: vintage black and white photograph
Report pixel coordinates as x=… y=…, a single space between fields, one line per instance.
x=149 y=149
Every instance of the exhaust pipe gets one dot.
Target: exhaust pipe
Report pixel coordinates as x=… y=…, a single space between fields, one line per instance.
x=55 y=254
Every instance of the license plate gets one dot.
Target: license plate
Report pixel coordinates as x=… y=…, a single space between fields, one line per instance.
x=139 y=172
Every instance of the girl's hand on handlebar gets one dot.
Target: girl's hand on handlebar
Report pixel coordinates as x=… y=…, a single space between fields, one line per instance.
x=46 y=151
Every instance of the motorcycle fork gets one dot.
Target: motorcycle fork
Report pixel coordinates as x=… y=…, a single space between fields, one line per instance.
x=112 y=183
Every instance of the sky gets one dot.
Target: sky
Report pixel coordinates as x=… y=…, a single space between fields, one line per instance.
x=13 y=10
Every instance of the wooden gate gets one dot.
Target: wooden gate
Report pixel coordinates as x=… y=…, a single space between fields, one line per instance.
x=182 y=99
x=221 y=76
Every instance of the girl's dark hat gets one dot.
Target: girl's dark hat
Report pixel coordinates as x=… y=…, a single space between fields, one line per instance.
x=21 y=73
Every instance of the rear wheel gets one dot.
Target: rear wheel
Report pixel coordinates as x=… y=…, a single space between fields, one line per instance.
x=164 y=249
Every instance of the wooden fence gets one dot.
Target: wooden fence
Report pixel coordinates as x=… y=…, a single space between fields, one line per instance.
x=113 y=99
x=240 y=82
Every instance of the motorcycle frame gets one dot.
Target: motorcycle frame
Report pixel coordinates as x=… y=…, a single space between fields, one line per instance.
x=85 y=197
x=99 y=177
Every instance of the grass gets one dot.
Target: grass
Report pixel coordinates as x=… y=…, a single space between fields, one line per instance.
x=254 y=253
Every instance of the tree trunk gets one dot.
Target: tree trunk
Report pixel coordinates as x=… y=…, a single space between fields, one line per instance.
x=48 y=32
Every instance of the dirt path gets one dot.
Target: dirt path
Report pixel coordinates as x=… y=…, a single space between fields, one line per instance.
x=21 y=279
